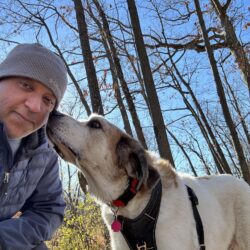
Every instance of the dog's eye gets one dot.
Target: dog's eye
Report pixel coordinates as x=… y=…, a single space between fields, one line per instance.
x=94 y=124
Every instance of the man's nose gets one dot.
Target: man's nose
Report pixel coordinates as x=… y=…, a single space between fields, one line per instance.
x=34 y=103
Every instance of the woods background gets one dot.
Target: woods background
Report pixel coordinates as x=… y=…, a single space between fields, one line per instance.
x=174 y=74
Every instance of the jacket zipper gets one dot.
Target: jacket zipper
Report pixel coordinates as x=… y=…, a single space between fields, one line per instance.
x=6 y=179
x=7 y=163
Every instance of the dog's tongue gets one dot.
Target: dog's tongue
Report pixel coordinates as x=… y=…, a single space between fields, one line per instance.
x=116 y=226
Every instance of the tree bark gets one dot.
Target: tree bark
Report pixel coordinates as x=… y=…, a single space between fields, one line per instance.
x=232 y=41
x=223 y=101
x=95 y=95
x=154 y=105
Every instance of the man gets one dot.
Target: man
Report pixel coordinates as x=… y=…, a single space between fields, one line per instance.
x=32 y=83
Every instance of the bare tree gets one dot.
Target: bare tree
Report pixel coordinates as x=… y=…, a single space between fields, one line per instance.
x=158 y=121
x=116 y=88
x=235 y=104
x=232 y=40
x=223 y=101
x=88 y=59
x=120 y=75
x=184 y=152
x=176 y=65
x=196 y=111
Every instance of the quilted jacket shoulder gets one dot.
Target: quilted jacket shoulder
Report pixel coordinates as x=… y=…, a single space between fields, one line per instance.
x=29 y=183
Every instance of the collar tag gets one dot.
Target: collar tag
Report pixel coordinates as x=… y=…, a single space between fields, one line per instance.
x=116 y=226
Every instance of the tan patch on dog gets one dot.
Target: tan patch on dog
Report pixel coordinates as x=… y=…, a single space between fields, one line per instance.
x=167 y=172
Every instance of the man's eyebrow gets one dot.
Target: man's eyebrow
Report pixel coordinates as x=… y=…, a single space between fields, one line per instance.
x=26 y=79
x=51 y=95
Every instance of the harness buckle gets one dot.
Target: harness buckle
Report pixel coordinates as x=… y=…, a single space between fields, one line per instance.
x=202 y=246
x=143 y=246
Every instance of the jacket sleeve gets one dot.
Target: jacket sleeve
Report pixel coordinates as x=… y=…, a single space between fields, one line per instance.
x=41 y=215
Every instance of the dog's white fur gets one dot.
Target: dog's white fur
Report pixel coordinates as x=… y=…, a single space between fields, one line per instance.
x=105 y=156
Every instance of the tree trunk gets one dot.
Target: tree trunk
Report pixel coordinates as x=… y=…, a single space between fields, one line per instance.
x=88 y=61
x=237 y=108
x=158 y=121
x=221 y=94
x=139 y=77
x=115 y=79
x=232 y=41
x=120 y=75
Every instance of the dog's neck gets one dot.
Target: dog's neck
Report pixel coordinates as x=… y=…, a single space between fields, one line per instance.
x=136 y=205
x=139 y=198
x=128 y=194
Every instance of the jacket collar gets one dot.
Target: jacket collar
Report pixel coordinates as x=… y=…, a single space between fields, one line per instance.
x=35 y=139
x=30 y=144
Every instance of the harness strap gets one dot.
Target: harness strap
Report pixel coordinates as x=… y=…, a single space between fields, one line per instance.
x=199 y=227
x=140 y=232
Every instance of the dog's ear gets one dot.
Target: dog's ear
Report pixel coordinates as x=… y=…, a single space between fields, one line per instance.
x=131 y=156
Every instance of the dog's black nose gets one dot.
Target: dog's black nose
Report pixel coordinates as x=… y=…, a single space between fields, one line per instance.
x=56 y=113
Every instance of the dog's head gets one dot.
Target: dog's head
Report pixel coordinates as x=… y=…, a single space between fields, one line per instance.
x=105 y=154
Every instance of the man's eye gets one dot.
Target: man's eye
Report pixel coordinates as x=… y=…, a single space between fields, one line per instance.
x=25 y=85
x=49 y=101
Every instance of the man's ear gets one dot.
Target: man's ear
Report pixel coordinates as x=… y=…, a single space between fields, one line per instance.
x=131 y=156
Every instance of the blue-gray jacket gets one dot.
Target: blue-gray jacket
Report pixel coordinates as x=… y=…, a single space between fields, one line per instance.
x=30 y=184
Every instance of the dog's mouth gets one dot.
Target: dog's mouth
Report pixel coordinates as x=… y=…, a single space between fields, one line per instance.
x=61 y=152
x=62 y=149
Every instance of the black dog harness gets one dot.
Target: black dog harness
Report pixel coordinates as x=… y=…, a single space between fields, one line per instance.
x=139 y=233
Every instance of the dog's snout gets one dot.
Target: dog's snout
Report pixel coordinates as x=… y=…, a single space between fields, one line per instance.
x=54 y=118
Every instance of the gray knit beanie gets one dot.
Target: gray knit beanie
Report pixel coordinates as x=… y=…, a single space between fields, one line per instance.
x=36 y=62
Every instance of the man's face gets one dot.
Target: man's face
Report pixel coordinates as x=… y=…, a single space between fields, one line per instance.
x=25 y=105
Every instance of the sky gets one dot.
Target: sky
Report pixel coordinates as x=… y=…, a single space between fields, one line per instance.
x=202 y=79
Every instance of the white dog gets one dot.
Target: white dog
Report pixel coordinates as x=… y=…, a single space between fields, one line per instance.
x=139 y=191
